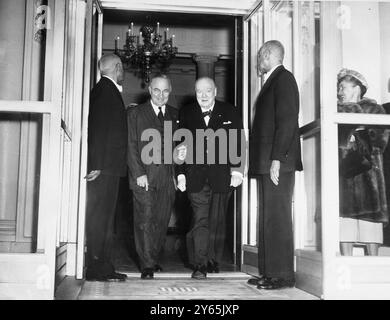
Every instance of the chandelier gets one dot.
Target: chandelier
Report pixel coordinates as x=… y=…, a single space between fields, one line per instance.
x=147 y=48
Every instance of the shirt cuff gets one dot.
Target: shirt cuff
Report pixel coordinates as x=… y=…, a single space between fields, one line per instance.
x=238 y=174
x=180 y=177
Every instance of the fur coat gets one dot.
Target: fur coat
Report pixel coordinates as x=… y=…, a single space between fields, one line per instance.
x=364 y=196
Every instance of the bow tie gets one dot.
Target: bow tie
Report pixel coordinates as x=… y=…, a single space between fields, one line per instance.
x=207 y=113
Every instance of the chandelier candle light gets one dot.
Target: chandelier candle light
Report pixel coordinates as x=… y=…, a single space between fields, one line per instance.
x=144 y=50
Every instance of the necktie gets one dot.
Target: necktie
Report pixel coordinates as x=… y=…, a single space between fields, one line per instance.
x=206 y=113
x=160 y=115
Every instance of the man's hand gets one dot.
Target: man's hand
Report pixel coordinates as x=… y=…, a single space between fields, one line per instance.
x=181 y=182
x=180 y=153
x=92 y=175
x=274 y=171
x=235 y=180
x=142 y=182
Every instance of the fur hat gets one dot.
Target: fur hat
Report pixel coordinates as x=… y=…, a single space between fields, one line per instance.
x=354 y=74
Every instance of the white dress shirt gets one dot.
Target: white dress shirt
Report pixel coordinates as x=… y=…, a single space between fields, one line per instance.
x=207 y=118
x=120 y=88
x=156 y=108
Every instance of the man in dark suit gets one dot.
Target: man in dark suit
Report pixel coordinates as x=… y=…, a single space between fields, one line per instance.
x=274 y=156
x=151 y=177
x=209 y=183
x=107 y=148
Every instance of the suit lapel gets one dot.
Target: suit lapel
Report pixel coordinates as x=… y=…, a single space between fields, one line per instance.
x=198 y=116
x=270 y=79
x=151 y=115
x=215 y=115
x=167 y=115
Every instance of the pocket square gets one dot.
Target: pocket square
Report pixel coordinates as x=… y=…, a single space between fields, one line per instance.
x=227 y=122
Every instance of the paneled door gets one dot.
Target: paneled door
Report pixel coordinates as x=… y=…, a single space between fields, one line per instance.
x=34 y=117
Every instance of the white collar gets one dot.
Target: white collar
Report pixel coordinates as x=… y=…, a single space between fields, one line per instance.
x=268 y=74
x=120 y=88
x=156 y=108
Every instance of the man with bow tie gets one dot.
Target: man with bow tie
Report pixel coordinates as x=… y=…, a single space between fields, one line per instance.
x=152 y=182
x=209 y=182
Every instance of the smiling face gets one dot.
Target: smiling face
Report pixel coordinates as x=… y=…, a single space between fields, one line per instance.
x=205 y=92
x=159 y=90
x=348 y=92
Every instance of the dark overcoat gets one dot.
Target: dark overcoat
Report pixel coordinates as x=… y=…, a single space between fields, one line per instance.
x=275 y=131
x=107 y=130
x=364 y=196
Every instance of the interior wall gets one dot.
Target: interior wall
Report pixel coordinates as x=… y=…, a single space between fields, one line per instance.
x=361 y=44
x=214 y=40
x=384 y=14
x=189 y=40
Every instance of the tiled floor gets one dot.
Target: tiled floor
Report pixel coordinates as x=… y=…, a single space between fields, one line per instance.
x=177 y=286
x=173 y=283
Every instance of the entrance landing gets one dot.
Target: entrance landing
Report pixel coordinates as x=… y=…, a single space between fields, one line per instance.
x=178 y=287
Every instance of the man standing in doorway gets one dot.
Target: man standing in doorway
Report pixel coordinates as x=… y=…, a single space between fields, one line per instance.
x=107 y=148
x=274 y=156
x=152 y=182
x=209 y=184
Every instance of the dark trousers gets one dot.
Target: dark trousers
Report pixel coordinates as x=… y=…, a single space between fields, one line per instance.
x=206 y=239
x=152 y=211
x=275 y=238
x=102 y=194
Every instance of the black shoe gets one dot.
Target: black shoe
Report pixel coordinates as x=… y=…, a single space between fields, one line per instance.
x=96 y=278
x=257 y=281
x=276 y=283
x=158 y=268
x=199 y=273
x=212 y=266
x=116 y=277
x=147 y=274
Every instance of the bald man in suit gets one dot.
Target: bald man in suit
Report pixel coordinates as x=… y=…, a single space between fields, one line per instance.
x=107 y=149
x=274 y=156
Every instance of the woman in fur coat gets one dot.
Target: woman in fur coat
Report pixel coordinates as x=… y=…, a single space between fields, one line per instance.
x=363 y=204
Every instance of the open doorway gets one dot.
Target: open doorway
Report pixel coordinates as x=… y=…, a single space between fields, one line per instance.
x=206 y=34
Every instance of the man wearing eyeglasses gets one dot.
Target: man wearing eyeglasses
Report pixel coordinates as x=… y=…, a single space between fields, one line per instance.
x=151 y=174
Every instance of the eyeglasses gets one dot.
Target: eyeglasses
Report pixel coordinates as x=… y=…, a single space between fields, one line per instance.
x=158 y=92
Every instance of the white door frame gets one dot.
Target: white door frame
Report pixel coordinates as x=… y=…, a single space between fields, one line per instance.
x=84 y=133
